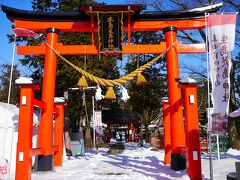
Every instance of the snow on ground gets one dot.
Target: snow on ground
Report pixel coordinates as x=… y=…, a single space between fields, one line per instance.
x=221 y=167
x=133 y=163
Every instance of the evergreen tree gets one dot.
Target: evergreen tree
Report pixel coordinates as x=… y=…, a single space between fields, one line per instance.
x=4 y=84
x=146 y=99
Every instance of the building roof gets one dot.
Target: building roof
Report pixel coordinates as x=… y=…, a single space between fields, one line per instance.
x=111 y=117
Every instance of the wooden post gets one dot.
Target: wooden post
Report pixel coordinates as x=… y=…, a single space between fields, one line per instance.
x=25 y=130
x=192 y=131
x=167 y=133
x=129 y=135
x=135 y=134
x=129 y=29
x=178 y=161
x=58 y=137
x=108 y=133
x=45 y=139
x=92 y=29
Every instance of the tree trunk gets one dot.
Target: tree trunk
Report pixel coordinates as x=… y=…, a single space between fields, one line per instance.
x=147 y=118
x=233 y=124
x=146 y=133
x=234 y=138
x=141 y=133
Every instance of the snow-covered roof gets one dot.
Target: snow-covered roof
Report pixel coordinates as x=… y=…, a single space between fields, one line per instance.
x=24 y=80
x=205 y=8
x=152 y=126
x=186 y=80
x=59 y=100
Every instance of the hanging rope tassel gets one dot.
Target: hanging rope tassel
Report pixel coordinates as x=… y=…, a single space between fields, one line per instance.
x=82 y=82
x=110 y=95
x=141 y=80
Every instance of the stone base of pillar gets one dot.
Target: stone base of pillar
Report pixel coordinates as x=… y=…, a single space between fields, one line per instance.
x=178 y=162
x=44 y=163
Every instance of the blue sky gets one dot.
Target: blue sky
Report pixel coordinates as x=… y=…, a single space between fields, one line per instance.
x=5 y=47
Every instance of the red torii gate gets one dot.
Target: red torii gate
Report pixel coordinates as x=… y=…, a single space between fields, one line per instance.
x=85 y=21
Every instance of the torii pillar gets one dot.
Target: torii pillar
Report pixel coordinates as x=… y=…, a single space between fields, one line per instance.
x=193 y=151
x=167 y=131
x=45 y=139
x=178 y=158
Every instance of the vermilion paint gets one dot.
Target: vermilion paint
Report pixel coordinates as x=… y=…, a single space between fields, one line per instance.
x=58 y=136
x=192 y=132
x=174 y=94
x=25 y=131
x=45 y=139
x=167 y=133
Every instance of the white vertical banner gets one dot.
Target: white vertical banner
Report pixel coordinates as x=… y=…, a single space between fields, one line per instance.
x=221 y=36
x=98 y=122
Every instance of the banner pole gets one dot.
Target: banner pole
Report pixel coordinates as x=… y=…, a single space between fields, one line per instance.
x=94 y=123
x=210 y=155
x=208 y=85
x=218 y=151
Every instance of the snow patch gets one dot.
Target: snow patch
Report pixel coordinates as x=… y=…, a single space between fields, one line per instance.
x=24 y=80
x=233 y=152
x=59 y=100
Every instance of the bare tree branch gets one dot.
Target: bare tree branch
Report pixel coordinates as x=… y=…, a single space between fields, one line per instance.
x=188 y=37
x=237 y=6
x=195 y=71
x=182 y=5
x=203 y=35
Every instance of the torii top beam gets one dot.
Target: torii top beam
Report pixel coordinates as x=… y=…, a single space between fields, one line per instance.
x=81 y=22
x=134 y=19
